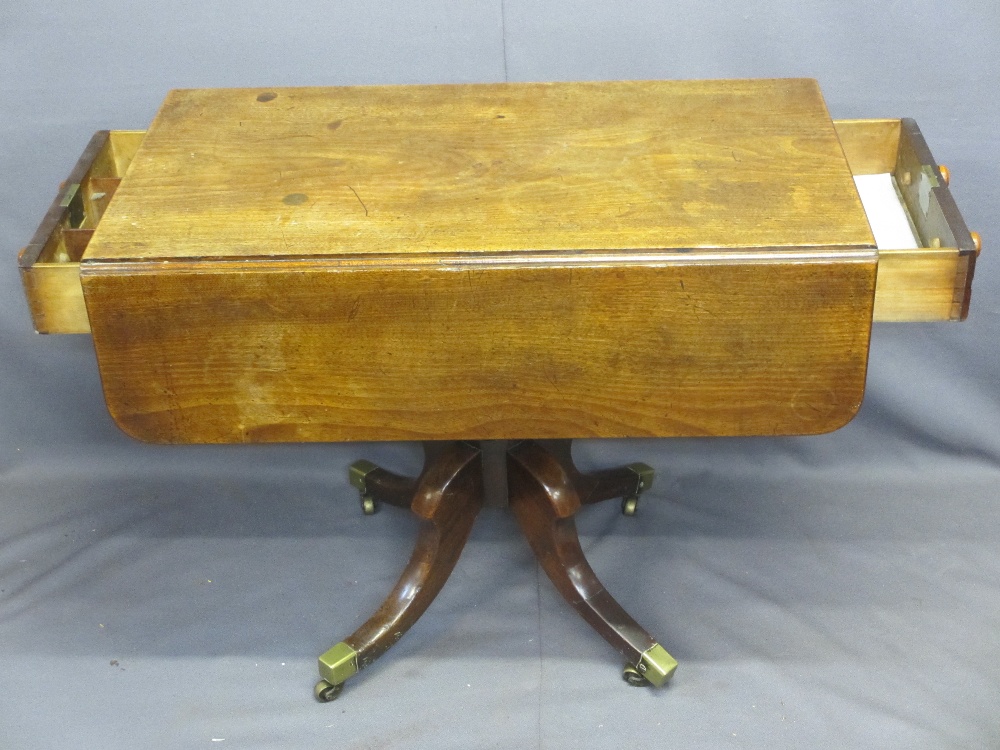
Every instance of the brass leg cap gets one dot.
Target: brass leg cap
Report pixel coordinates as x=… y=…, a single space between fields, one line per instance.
x=645 y=474
x=656 y=665
x=337 y=664
x=357 y=473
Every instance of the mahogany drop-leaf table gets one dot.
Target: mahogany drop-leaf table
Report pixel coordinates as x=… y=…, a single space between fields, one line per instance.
x=494 y=270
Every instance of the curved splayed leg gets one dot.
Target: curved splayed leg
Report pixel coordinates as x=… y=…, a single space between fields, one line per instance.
x=544 y=496
x=446 y=498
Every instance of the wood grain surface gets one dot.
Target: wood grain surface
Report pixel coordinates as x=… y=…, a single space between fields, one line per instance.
x=871 y=146
x=302 y=350
x=485 y=168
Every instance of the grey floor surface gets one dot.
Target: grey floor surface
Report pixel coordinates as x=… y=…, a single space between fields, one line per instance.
x=838 y=591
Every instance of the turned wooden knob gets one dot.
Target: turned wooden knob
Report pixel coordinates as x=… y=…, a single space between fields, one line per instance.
x=945 y=174
x=977 y=242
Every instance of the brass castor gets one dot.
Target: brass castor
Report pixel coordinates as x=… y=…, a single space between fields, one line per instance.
x=325 y=692
x=634 y=677
x=644 y=480
x=358 y=474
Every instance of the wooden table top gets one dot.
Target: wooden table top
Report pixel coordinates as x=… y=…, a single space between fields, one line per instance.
x=495 y=168
x=503 y=261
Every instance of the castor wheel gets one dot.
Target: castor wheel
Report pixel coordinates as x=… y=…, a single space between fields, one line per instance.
x=630 y=505
x=643 y=481
x=633 y=676
x=368 y=505
x=325 y=692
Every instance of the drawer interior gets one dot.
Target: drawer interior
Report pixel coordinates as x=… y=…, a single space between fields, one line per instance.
x=50 y=264
x=930 y=277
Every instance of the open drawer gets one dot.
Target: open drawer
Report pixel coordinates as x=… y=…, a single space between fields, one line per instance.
x=50 y=264
x=931 y=281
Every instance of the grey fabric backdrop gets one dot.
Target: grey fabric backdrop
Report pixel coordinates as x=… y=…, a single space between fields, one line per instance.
x=835 y=591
